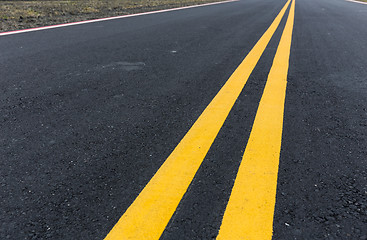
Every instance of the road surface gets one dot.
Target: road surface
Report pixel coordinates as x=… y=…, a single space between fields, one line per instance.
x=92 y=114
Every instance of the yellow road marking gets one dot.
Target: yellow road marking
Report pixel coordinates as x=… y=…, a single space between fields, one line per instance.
x=149 y=214
x=250 y=210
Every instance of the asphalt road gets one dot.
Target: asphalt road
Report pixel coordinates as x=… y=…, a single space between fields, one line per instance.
x=89 y=113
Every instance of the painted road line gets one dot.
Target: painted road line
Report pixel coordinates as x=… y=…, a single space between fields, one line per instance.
x=357 y=2
x=111 y=18
x=250 y=210
x=149 y=214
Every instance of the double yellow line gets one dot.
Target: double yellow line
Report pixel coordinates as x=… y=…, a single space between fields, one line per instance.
x=249 y=213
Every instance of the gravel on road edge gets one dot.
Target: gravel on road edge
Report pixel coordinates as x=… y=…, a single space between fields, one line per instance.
x=15 y=15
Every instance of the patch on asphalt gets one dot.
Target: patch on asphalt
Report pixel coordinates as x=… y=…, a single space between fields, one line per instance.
x=125 y=66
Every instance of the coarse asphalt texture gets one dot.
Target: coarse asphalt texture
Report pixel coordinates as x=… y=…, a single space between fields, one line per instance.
x=89 y=113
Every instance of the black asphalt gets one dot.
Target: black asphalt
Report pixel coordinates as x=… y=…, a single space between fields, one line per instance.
x=88 y=113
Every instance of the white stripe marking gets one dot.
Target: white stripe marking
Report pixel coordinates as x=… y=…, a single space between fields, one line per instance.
x=356 y=1
x=110 y=18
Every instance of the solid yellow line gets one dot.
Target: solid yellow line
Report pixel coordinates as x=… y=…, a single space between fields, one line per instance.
x=250 y=210
x=149 y=214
